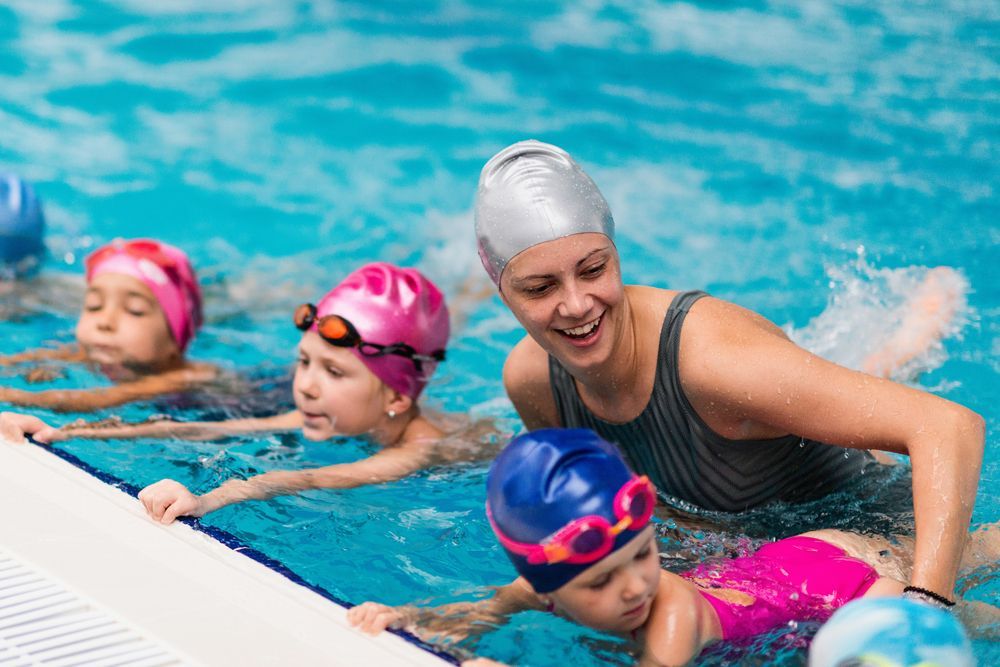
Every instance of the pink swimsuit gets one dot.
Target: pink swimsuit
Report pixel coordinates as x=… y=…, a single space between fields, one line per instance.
x=796 y=579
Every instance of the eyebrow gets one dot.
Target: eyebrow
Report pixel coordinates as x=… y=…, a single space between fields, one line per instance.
x=542 y=276
x=139 y=295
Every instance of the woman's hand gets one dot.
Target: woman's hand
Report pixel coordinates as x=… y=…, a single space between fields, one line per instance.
x=15 y=427
x=166 y=500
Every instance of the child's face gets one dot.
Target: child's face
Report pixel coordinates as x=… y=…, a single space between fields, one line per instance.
x=122 y=325
x=616 y=593
x=334 y=391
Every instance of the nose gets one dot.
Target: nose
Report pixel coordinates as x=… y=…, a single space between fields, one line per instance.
x=305 y=383
x=107 y=319
x=634 y=584
x=576 y=301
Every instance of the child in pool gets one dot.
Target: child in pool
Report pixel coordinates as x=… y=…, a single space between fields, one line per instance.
x=367 y=351
x=141 y=310
x=574 y=520
x=22 y=225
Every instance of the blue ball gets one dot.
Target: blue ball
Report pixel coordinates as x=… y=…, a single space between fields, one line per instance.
x=891 y=632
x=22 y=225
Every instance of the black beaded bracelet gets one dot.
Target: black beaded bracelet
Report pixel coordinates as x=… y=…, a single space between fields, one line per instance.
x=931 y=595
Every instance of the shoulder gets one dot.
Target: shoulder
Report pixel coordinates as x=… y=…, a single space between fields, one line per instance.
x=676 y=629
x=649 y=304
x=526 y=380
x=719 y=336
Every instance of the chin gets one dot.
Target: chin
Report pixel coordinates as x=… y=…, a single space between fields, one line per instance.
x=315 y=434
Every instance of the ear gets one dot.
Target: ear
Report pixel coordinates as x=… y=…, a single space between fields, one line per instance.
x=396 y=402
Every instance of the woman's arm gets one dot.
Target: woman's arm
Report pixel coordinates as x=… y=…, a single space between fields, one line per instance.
x=88 y=400
x=526 y=379
x=455 y=621
x=14 y=427
x=747 y=380
x=166 y=500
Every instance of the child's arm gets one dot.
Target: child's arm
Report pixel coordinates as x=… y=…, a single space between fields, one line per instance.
x=62 y=353
x=455 y=621
x=166 y=500
x=14 y=427
x=87 y=400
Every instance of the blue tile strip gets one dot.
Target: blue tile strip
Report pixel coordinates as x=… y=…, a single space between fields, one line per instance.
x=237 y=545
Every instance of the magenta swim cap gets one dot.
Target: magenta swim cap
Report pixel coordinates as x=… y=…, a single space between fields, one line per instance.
x=165 y=270
x=389 y=305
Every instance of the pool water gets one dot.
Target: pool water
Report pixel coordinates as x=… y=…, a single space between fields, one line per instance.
x=793 y=157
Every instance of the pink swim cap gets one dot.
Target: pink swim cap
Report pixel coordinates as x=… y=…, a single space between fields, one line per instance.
x=388 y=305
x=165 y=270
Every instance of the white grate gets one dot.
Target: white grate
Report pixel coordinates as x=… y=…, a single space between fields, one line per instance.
x=42 y=623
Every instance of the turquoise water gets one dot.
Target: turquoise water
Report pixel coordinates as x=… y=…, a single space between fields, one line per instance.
x=788 y=156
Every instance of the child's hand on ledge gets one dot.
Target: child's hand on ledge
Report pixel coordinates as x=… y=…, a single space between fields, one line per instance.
x=14 y=427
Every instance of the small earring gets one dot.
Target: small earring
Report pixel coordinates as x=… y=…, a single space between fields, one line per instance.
x=550 y=606
x=392 y=414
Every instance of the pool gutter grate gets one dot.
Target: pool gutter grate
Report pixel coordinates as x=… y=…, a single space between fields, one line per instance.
x=43 y=623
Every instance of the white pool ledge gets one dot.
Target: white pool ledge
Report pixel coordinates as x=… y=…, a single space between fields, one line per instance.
x=198 y=598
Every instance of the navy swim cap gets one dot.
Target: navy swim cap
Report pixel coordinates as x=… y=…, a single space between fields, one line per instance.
x=545 y=479
x=21 y=226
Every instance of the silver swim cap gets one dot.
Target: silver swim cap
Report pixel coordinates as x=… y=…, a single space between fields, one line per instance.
x=530 y=193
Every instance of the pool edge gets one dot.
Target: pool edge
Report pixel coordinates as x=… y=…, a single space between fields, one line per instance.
x=206 y=599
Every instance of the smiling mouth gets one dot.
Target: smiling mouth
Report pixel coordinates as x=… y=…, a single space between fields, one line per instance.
x=583 y=330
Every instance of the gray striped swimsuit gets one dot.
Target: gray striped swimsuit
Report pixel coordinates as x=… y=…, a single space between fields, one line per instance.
x=671 y=444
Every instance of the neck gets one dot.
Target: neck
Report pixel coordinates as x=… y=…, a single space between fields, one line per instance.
x=399 y=429
x=127 y=372
x=619 y=375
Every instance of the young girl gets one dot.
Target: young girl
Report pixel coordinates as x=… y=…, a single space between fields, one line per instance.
x=368 y=349
x=141 y=310
x=575 y=522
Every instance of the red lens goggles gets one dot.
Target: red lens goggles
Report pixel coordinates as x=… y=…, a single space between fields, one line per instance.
x=339 y=331
x=588 y=538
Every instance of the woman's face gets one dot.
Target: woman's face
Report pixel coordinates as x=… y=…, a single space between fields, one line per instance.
x=335 y=391
x=567 y=295
x=616 y=593
x=122 y=325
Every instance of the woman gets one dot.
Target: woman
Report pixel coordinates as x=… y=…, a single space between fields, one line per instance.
x=710 y=400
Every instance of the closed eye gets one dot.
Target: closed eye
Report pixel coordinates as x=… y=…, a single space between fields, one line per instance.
x=536 y=290
x=594 y=271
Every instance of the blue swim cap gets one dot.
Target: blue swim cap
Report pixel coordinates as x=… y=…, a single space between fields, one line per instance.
x=545 y=479
x=891 y=632
x=21 y=226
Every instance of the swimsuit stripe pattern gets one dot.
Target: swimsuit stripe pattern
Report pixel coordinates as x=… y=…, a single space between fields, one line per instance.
x=687 y=460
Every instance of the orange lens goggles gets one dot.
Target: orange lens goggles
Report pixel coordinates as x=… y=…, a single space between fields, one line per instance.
x=338 y=331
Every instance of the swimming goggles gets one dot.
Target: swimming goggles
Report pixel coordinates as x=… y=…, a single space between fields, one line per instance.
x=588 y=538
x=339 y=331
x=139 y=248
